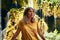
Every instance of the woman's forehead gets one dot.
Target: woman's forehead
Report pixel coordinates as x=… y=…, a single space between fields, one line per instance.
x=31 y=10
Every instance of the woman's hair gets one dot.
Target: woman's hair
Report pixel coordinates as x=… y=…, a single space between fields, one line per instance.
x=26 y=10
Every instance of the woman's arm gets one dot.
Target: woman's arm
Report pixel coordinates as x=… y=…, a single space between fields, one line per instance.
x=16 y=34
x=39 y=30
x=40 y=34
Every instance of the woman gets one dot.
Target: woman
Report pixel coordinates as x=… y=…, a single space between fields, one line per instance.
x=29 y=26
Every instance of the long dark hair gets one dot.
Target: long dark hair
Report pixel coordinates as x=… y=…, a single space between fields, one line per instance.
x=26 y=10
x=26 y=13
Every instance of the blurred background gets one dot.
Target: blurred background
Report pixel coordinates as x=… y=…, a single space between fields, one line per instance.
x=47 y=10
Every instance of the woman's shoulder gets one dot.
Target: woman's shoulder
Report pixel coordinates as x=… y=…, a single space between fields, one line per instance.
x=21 y=21
x=37 y=18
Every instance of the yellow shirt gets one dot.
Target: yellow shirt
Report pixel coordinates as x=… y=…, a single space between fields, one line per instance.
x=29 y=30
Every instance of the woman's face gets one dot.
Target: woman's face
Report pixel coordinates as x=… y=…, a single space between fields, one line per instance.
x=31 y=13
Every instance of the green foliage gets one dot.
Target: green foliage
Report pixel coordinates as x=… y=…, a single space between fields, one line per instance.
x=52 y=35
x=22 y=2
x=55 y=1
x=39 y=2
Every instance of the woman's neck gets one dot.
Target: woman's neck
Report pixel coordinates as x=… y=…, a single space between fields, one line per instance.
x=27 y=20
